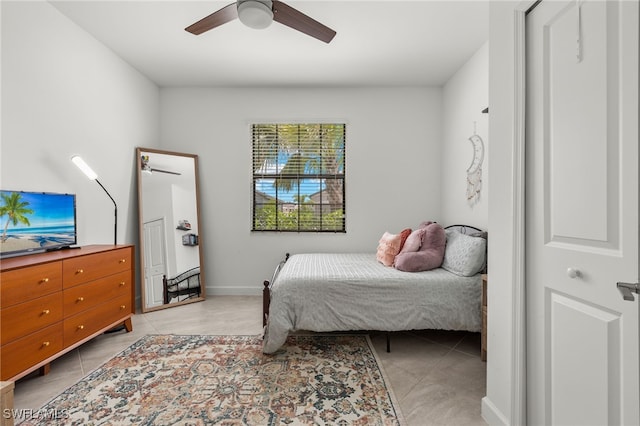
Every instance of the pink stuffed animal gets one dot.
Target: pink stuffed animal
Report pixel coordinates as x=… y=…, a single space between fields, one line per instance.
x=429 y=255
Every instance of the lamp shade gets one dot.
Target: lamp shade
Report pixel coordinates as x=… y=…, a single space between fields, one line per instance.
x=79 y=162
x=255 y=13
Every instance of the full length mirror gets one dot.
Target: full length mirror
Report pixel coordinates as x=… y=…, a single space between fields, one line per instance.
x=170 y=238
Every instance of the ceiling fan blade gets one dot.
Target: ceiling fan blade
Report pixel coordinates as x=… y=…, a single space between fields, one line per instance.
x=166 y=171
x=222 y=16
x=297 y=20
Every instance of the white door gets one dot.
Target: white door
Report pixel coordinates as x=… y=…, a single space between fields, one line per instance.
x=155 y=262
x=582 y=213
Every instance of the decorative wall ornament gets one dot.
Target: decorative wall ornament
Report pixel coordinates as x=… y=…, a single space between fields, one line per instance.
x=474 y=172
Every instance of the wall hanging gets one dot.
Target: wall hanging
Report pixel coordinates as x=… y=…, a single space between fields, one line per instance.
x=474 y=172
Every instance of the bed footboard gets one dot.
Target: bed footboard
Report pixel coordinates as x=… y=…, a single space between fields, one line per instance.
x=266 y=291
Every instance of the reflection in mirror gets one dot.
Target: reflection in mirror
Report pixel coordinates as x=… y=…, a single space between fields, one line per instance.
x=170 y=239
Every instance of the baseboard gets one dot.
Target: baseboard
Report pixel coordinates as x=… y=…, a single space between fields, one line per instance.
x=234 y=291
x=491 y=414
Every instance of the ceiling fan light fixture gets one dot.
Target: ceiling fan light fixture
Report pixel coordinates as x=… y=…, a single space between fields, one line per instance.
x=255 y=14
x=144 y=164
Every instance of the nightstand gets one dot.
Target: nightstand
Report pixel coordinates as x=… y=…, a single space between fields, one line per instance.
x=483 y=347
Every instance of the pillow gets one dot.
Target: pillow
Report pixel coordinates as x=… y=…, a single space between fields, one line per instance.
x=481 y=234
x=414 y=241
x=388 y=248
x=404 y=234
x=430 y=254
x=464 y=254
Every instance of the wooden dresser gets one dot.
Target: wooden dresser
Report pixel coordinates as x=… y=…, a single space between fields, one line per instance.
x=50 y=303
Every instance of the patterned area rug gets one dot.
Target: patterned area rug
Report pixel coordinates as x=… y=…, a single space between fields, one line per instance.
x=205 y=380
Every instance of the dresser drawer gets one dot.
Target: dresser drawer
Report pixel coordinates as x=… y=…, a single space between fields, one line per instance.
x=24 y=284
x=25 y=318
x=88 y=322
x=86 y=296
x=28 y=351
x=82 y=269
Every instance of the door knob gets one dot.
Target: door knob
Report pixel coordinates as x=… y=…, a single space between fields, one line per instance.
x=573 y=273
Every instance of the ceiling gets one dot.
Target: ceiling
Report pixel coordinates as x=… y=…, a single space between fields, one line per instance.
x=184 y=165
x=378 y=43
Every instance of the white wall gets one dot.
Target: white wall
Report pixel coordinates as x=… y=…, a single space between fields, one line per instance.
x=184 y=207
x=464 y=97
x=64 y=93
x=392 y=167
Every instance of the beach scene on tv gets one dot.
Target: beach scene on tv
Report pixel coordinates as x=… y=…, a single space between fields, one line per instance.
x=36 y=221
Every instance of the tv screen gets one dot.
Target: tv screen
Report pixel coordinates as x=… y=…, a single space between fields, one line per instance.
x=36 y=221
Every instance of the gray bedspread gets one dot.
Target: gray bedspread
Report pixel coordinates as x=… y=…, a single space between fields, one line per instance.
x=353 y=291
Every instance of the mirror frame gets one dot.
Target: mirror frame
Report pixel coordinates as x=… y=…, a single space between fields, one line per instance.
x=139 y=152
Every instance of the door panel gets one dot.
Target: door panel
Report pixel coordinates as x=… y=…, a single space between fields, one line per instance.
x=155 y=261
x=573 y=119
x=582 y=212
x=583 y=348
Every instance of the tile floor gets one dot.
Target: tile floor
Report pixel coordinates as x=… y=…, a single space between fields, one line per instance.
x=437 y=376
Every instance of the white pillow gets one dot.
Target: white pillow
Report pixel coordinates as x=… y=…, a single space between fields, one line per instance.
x=464 y=255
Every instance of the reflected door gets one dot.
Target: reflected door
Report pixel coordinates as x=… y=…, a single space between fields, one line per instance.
x=155 y=261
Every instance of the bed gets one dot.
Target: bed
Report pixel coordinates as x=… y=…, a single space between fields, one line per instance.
x=183 y=286
x=324 y=292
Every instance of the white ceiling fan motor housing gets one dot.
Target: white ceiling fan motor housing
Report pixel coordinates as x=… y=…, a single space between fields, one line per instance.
x=255 y=14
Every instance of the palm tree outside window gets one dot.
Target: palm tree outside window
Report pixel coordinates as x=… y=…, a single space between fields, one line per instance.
x=298 y=177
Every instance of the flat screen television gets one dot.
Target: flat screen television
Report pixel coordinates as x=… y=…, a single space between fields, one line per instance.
x=36 y=222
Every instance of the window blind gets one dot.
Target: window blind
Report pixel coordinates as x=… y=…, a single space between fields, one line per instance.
x=298 y=177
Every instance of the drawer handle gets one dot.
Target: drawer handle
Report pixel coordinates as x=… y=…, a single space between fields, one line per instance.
x=46 y=312
x=123 y=260
x=44 y=280
x=122 y=283
x=80 y=327
x=79 y=271
x=80 y=299
x=122 y=306
x=45 y=344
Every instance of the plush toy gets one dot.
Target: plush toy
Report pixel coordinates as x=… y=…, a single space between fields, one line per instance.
x=429 y=255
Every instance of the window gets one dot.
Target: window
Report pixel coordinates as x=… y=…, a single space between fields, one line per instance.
x=298 y=177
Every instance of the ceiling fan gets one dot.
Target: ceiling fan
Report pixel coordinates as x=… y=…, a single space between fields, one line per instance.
x=259 y=14
x=146 y=167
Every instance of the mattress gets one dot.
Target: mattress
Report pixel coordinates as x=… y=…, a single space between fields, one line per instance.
x=352 y=291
